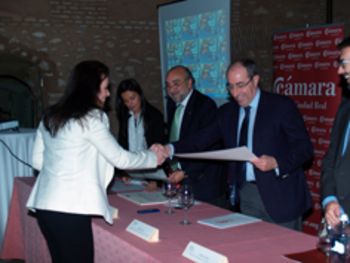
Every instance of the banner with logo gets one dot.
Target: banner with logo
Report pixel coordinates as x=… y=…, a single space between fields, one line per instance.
x=305 y=68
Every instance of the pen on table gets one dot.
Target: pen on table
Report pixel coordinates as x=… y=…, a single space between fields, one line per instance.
x=148 y=211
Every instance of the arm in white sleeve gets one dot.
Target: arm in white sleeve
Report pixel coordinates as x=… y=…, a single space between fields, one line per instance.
x=106 y=144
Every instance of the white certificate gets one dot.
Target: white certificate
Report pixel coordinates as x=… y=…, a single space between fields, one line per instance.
x=155 y=174
x=232 y=154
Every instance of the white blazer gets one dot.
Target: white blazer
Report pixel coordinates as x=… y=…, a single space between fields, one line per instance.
x=76 y=166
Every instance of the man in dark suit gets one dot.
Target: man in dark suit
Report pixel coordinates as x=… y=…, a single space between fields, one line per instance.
x=335 y=176
x=272 y=186
x=188 y=112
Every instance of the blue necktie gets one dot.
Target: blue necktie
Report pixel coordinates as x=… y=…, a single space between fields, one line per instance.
x=243 y=141
x=241 y=166
x=346 y=139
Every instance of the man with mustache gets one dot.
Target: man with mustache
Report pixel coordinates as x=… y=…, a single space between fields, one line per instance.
x=273 y=186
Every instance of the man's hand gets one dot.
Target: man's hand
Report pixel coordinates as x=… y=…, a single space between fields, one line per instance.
x=168 y=151
x=265 y=163
x=176 y=177
x=151 y=186
x=332 y=213
x=160 y=151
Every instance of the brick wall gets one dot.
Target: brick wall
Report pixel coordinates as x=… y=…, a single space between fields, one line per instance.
x=53 y=35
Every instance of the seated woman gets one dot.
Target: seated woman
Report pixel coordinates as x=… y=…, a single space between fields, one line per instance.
x=140 y=124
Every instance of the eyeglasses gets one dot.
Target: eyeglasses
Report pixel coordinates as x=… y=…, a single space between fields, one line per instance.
x=239 y=85
x=343 y=62
x=175 y=83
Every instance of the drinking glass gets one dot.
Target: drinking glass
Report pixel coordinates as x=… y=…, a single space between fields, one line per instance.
x=170 y=192
x=325 y=236
x=186 y=200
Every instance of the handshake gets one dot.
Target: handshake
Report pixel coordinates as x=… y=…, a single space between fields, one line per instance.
x=161 y=151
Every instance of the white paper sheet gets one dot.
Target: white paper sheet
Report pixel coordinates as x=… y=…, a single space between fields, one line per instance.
x=232 y=154
x=155 y=174
x=120 y=186
x=145 y=198
x=227 y=221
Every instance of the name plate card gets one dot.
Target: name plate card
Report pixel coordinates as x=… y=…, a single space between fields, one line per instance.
x=114 y=212
x=200 y=254
x=143 y=230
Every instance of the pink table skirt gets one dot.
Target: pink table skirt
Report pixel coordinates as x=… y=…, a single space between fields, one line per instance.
x=257 y=242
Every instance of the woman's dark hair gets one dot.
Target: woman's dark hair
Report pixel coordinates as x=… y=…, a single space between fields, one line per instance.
x=79 y=97
x=128 y=85
x=123 y=112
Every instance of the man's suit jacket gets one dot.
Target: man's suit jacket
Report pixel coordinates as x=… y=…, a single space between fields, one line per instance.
x=205 y=176
x=335 y=176
x=279 y=131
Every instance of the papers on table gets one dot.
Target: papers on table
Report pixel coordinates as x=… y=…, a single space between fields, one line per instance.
x=230 y=220
x=174 y=202
x=155 y=174
x=120 y=186
x=145 y=198
x=233 y=154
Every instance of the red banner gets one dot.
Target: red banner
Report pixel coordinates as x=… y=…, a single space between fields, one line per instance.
x=305 y=68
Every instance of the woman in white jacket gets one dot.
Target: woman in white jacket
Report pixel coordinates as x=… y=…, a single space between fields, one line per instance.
x=75 y=154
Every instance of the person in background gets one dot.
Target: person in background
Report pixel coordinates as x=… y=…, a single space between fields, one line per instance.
x=335 y=175
x=140 y=124
x=75 y=154
x=189 y=111
x=272 y=186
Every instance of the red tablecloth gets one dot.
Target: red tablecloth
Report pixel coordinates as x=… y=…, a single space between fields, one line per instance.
x=257 y=242
x=20 y=143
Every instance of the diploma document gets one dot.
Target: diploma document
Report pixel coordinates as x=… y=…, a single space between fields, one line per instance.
x=232 y=154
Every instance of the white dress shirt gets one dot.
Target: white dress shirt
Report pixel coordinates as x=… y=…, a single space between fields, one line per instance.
x=136 y=133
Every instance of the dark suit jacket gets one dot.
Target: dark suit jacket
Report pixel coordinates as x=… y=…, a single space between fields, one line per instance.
x=279 y=131
x=154 y=127
x=205 y=176
x=335 y=176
